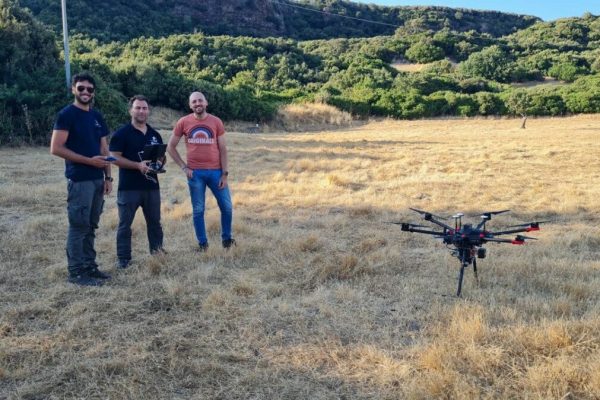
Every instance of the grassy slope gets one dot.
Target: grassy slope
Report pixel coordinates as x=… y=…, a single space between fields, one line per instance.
x=321 y=298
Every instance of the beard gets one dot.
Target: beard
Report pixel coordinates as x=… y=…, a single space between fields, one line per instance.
x=82 y=101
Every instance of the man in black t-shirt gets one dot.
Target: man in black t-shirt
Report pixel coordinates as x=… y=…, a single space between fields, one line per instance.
x=138 y=184
x=79 y=136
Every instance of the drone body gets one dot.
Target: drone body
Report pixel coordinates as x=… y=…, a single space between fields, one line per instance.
x=468 y=240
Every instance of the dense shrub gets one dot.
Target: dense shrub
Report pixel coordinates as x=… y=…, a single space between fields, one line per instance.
x=31 y=85
x=491 y=63
x=424 y=52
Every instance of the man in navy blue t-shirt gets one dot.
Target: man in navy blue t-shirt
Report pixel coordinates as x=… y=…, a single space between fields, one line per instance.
x=79 y=136
x=138 y=183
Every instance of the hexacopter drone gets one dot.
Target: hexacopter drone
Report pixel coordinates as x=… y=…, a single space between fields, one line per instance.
x=468 y=239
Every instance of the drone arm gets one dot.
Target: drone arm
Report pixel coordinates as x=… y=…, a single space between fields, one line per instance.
x=409 y=228
x=518 y=230
x=439 y=223
x=516 y=240
x=498 y=240
x=482 y=224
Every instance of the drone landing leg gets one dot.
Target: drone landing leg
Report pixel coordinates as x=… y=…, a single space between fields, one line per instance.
x=475 y=270
x=460 y=279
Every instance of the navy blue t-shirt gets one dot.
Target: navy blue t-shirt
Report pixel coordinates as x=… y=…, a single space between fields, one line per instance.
x=130 y=142
x=85 y=128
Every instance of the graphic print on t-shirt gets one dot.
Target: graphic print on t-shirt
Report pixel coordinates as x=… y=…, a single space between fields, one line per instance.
x=201 y=135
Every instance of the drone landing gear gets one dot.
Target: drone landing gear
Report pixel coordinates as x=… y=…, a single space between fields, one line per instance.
x=460 y=278
x=465 y=262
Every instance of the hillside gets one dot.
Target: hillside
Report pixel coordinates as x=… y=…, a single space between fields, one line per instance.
x=118 y=20
x=250 y=78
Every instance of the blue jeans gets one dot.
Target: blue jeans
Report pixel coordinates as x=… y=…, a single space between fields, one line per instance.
x=85 y=201
x=201 y=178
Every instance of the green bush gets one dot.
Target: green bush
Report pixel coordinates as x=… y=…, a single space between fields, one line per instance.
x=566 y=71
x=31 y=86
x=492 y=63
x=544 y=103
x=490 y=104
x=424 y=52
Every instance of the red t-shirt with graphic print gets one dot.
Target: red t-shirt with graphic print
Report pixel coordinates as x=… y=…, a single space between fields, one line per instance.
x=201 y=140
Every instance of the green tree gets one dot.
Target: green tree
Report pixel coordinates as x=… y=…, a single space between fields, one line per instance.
x=31 y=86
x=566 y=71
x=519 y=103
x=547 y=103
x=424 y=52
x=489 y=103
x=490 y=63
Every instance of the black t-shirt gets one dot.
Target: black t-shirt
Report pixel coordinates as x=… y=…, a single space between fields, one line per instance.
x=85 y=128
x=130 y=142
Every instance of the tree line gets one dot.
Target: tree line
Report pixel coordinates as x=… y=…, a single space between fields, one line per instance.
x=116 y=20
x=466 y=73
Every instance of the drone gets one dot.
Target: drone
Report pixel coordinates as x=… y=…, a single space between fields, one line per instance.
x=468 y=239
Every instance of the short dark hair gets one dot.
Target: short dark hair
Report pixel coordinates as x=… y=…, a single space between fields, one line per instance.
x=138 y=97
x=83 y=76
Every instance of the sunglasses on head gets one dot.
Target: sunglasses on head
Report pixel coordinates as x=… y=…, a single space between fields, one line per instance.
x=90 y=89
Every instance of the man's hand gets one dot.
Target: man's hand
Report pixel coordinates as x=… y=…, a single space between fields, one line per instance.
x=188 y=172
x=107 y=187
x=223 y=182
x=98 y=162
x=144 y=167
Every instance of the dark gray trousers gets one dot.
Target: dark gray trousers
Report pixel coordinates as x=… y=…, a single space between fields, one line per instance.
x=129 y=201
x=85 y=201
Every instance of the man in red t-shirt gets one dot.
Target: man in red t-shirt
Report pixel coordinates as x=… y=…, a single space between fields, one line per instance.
x=206 y=165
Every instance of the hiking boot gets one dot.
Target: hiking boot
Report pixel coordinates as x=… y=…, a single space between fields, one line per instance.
x=83 y=279
x=203 y=247
x=123 y=264
x=228 y=243
x=95 y=273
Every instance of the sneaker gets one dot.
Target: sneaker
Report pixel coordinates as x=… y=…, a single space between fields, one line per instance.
x=122 y=264
x=228 y=243
x=203 y=247
x=84 y=280
x=95 y=273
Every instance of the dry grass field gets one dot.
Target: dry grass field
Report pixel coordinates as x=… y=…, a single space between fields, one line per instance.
x=321 y=299
x=409 y=67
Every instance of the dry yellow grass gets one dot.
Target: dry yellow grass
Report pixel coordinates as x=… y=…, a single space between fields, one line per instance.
x=164 y=118
x=310 y=117
x=321 y=298
x=409 y=67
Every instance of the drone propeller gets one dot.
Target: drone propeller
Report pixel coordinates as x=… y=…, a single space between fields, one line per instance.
x=488 y=214
x=425 y=214
x=533 y=224
x=522 y=238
